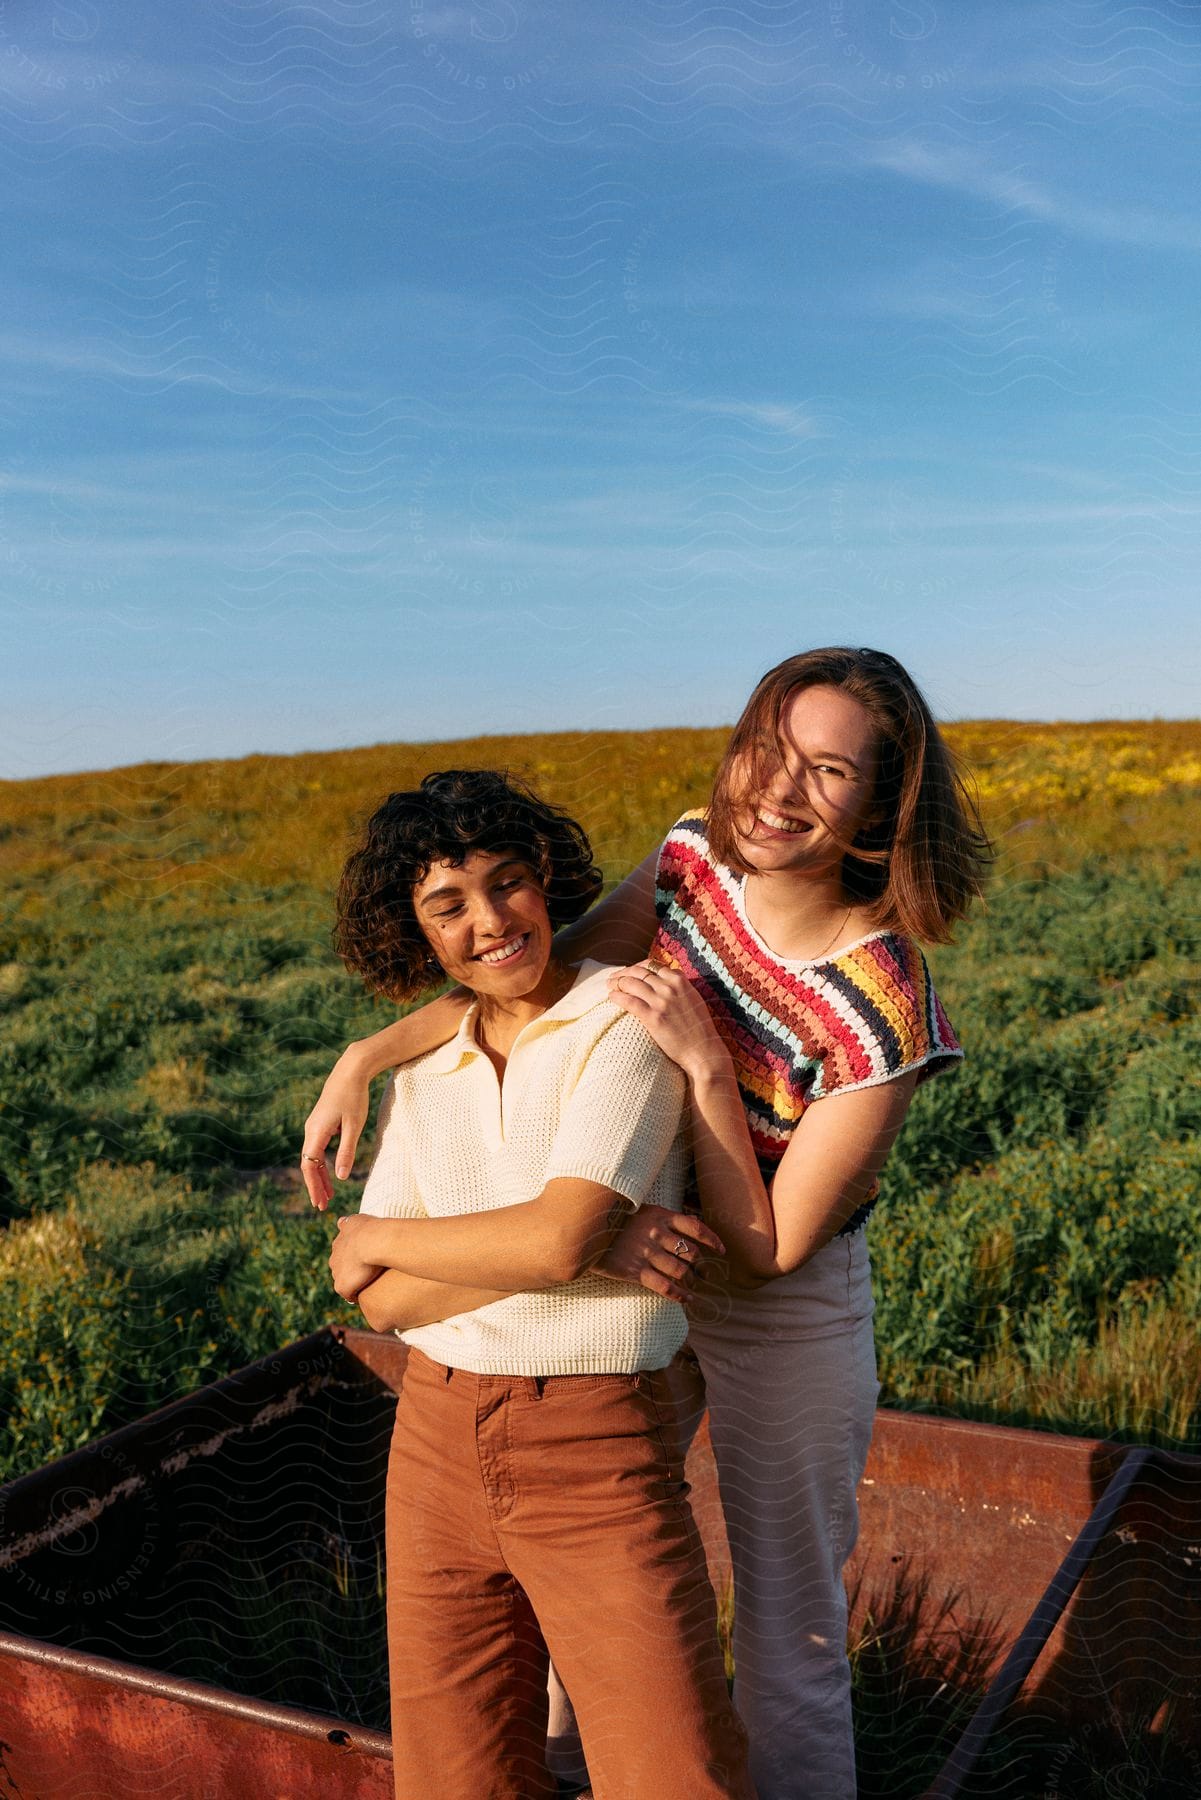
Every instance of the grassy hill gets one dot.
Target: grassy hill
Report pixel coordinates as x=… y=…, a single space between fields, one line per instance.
x=169 y=1004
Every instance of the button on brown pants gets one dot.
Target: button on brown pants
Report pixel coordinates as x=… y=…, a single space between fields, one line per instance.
x=525 y=1515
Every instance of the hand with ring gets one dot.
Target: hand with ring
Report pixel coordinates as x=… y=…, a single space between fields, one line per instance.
x=660 y=1250
x=315 y=1172
x=672 y=1011
x=341 y=1113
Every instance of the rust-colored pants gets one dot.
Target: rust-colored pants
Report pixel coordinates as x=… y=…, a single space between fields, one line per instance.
x=531 y=1514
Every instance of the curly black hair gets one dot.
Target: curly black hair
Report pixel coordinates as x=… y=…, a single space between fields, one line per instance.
x=377 y=933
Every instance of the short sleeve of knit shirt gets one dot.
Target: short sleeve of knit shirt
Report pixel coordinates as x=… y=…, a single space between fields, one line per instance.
x=621 y=1117
x=391 y=1190
x=797 y=1032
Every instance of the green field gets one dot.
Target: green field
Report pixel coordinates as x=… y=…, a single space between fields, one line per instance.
x=169 y=1003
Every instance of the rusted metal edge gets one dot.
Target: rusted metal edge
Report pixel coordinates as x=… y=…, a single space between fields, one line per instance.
x=951 y=1425
x=380 y=1353
x=294 y=1720
x=124 y=1452
x=17 y=1548
x=1021 y=1659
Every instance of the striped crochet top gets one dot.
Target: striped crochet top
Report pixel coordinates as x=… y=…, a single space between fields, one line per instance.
x=797 y=1031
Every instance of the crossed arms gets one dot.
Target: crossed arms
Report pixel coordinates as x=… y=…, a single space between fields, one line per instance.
x=433 y=1269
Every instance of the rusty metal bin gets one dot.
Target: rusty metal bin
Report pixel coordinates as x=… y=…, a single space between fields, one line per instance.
x=1074 y=1567
x=149 y=1588
x=191 y=1606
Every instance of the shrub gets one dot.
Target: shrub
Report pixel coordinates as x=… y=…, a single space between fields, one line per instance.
x=143 y=1288
x=1032 y=1267
x=61 y=1347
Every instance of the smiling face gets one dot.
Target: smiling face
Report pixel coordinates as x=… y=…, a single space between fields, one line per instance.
x=810 y=801
x=487 y=924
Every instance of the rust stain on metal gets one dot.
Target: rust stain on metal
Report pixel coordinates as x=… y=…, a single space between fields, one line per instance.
x=17 y=1549
x=130 y=1729
x=266 y=1415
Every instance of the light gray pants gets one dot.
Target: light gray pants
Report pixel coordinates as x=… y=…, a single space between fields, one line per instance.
x=790 y=1381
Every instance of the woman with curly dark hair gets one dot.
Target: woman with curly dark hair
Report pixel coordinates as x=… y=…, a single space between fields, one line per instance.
x=378 y=934
x=534 y=1498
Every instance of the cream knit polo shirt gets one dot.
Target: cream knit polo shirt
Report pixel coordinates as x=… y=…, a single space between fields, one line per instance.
x=585 y=1093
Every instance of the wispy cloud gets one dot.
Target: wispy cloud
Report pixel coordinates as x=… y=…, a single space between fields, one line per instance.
x=919 y=299
x=965 y=172
x=770 y=415
x=87 y=360
x=1080 y=480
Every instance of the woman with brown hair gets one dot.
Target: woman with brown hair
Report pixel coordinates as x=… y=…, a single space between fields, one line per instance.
x=784 y=972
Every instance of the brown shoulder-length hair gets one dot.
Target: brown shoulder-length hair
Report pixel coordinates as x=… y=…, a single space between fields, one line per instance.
x=452 y=813
x=923 y=856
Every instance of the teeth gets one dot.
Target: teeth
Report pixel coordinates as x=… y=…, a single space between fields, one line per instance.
x=774 y=822
x=503 y=954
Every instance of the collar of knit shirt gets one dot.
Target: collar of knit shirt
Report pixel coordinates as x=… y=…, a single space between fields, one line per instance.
x=590 y=988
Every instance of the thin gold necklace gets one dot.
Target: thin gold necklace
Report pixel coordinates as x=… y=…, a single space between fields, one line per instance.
x=837 y=934
x=838 y=930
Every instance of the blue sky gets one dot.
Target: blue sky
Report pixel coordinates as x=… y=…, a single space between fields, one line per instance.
x=402 y=372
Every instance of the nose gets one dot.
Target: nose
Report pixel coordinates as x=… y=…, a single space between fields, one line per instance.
x=785 y=789
x=490 y=916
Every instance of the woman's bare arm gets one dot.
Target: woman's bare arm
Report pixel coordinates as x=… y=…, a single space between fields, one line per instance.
x=833 y=1158
x=531 y=1245
x=424 y=1029
x=619 y=929
x=341 y=1110
x=396 y=1302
